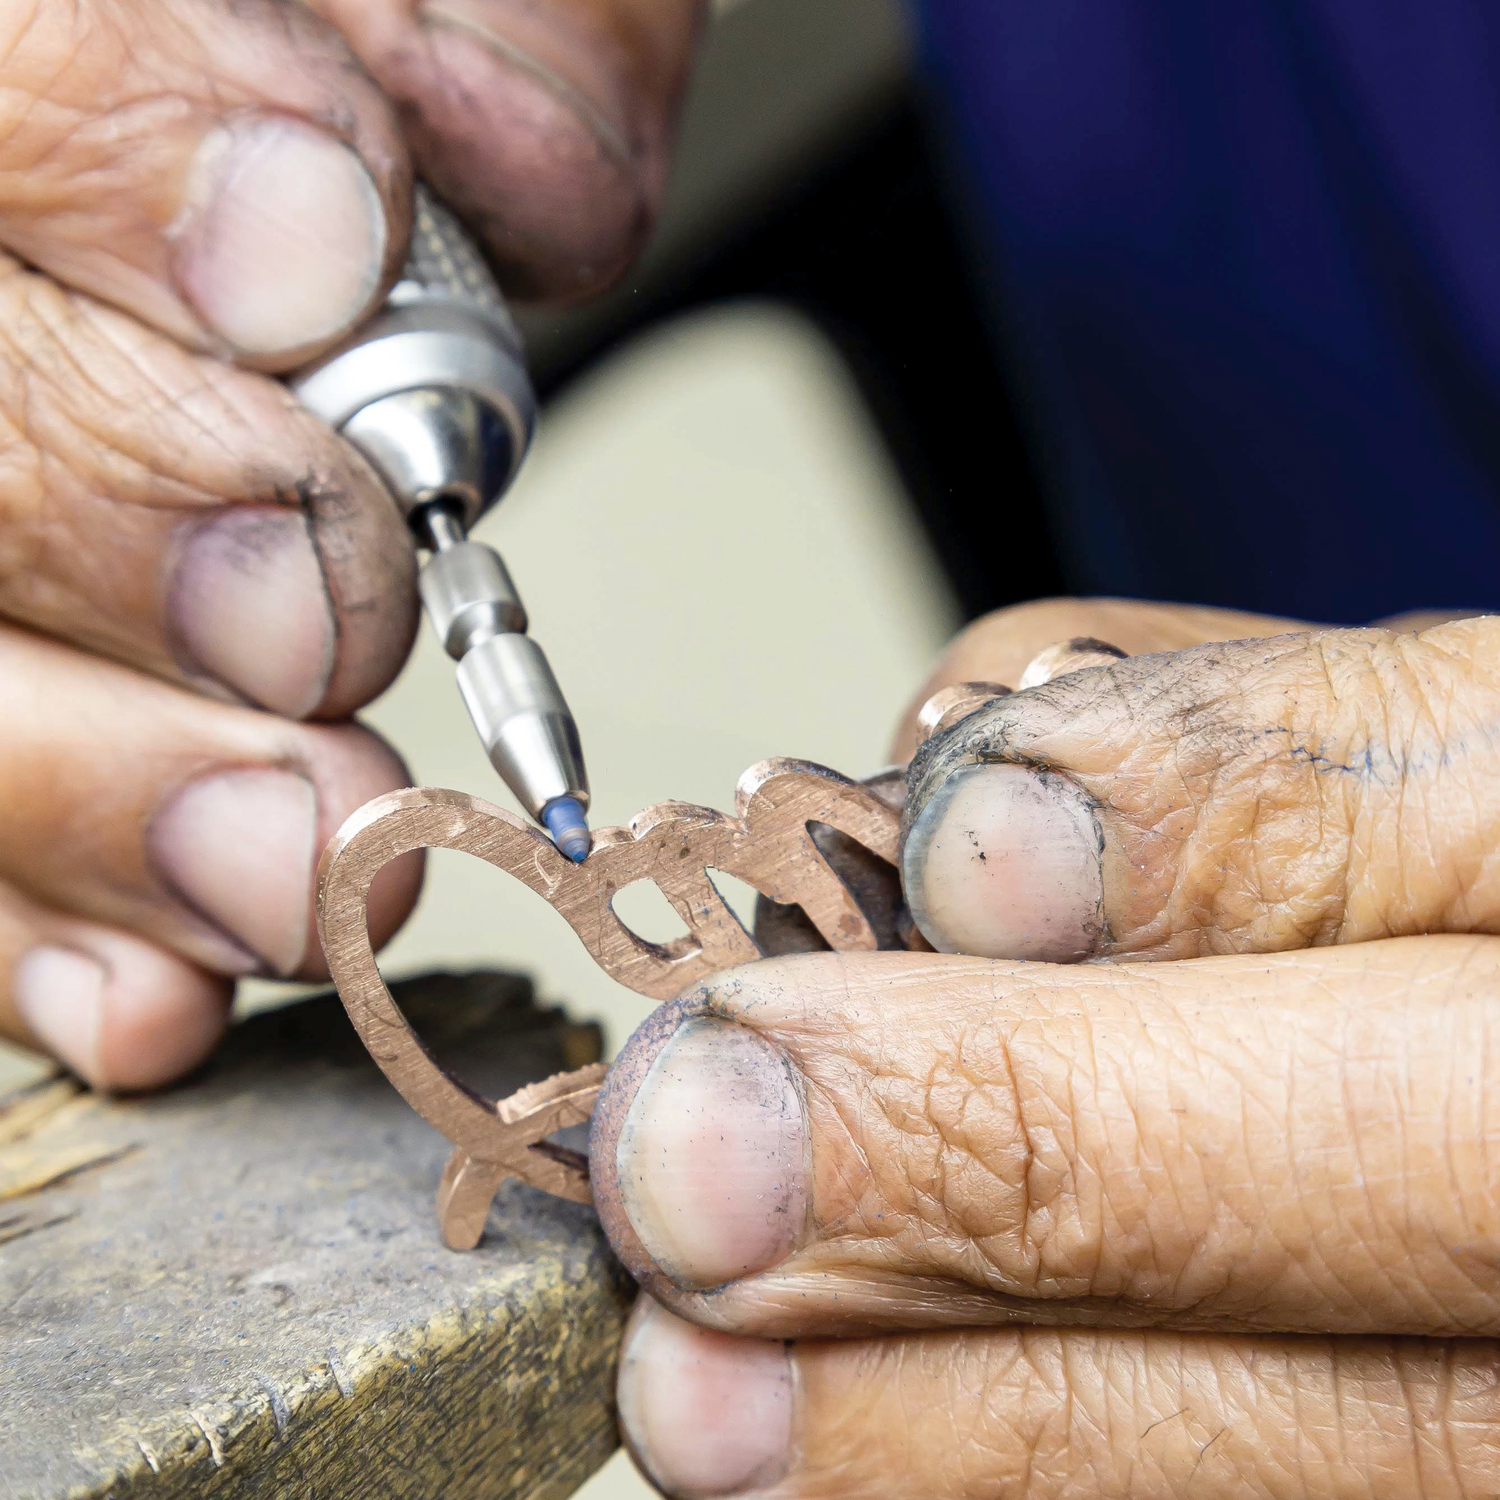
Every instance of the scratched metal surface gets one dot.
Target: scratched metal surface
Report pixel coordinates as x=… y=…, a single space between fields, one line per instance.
x=238 y=1288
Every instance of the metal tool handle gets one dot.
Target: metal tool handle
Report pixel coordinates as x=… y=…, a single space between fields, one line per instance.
x=435 y=384
x=442 y=258
x=434 y=392
x=444 y=262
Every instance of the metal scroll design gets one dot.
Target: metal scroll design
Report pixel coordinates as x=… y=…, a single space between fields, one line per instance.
x=768 y=845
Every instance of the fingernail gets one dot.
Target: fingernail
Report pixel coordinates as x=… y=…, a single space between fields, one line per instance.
x=711 y=1155
x=60 y=996
x=704 y=1413
x=248 y=606
x=950 y=704
x=237 y=848
x=282 y=239
x=1077 y=655
x=1005 y=862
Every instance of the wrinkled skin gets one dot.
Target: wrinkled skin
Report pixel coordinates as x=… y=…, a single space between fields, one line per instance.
x=1199 y=1200
x=1127 y=1227
x=198 y=582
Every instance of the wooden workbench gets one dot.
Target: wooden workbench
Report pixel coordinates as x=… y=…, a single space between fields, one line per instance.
x=237 y=1289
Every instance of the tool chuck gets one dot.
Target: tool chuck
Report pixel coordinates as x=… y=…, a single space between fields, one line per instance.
x=434 y=392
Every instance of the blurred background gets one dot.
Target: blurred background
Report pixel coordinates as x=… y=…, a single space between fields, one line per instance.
x=790 y=448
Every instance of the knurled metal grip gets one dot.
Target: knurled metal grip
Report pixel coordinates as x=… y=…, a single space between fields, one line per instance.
x=443 y=259
x=444 y=363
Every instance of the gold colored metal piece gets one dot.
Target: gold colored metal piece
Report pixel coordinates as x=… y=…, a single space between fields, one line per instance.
x=768 y=845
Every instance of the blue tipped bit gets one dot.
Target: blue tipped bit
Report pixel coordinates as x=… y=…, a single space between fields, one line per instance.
x=568 y=826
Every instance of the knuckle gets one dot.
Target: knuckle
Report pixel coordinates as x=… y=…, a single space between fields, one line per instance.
x=1467 y=1394
x=1023 y=1384
x=116 y=411
x=1063 y=1242
x=107 y=427
x=1403 y=759
x=1231 y=792
x=981 y=1150
x=62 y=65
x=81 y=388
x=36 y=38
x=1450 y=1395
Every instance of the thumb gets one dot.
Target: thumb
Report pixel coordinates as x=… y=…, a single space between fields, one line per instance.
x=1246 y=796
x=225 y=173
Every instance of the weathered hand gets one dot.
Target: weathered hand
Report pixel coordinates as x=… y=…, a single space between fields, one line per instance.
x=1213 y=1213
x=188 y=190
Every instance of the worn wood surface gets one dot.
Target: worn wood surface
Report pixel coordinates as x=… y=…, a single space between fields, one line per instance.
x=237 y=1289
x=777 y=842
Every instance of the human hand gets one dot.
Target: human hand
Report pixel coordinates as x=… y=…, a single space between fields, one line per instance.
x=1218 y=1225
x=190 y=564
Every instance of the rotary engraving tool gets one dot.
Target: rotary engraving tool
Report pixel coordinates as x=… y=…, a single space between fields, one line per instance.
x=434 y=392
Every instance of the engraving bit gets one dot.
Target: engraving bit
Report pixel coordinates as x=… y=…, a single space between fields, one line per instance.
x=434 y=392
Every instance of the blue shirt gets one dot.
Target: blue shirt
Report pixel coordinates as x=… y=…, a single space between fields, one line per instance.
x=1246 y=258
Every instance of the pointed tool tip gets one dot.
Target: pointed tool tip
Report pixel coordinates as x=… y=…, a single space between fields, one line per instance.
x=569 y=828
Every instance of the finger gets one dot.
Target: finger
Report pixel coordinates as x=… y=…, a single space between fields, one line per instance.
x=1000 y=647
x=1118 y=1416
x=548 y=127
x=835 y=1143
x=1254 y=796
x=225 y=172
x=122 y=1013
x=950 y=704
x=1076 y=654
x=194 y=824
x=187 y=517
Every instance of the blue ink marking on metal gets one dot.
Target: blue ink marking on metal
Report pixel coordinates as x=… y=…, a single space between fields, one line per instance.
x=568 y=826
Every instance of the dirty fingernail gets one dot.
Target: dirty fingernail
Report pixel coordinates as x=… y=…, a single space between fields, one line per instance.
x=237 y=848
x=60 y=996
x=704 y=1414
x=712 y=1155
x=282 y=239
x=248 y=606
x=950 y=704
x=1005 y=862
x=1062 y=657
